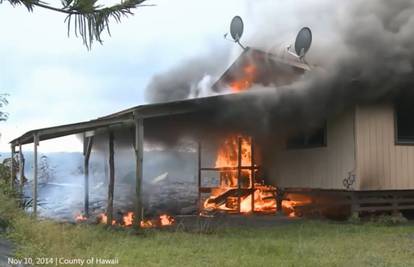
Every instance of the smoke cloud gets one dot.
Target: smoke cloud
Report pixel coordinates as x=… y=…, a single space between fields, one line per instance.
x=362 y=51
x=191 y=78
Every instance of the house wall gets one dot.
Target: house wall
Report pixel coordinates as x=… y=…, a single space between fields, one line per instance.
x=324 y=167
x=381 y=164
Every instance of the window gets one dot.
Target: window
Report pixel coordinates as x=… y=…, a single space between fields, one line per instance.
x=311 y=139
x=404 y=117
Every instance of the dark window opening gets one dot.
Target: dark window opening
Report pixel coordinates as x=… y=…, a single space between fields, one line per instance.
x=404 y=115
x=310 y=139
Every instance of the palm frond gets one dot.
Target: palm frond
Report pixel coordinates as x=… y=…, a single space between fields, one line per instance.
x=86 y=18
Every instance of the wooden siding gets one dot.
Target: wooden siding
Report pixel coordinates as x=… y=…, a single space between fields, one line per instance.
x=324 y=167
x=381 y=164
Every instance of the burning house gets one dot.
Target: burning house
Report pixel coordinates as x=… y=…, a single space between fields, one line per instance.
x=259 y=150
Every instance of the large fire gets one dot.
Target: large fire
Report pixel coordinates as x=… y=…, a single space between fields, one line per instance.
x=240 y=188
x=239 y=183
x=249 y=75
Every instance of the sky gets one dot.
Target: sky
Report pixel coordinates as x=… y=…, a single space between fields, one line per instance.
x=52 y=79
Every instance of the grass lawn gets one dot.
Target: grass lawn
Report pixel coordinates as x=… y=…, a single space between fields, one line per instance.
x=304 y=243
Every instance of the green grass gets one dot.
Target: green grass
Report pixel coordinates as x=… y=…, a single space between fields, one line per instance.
x=307 y=243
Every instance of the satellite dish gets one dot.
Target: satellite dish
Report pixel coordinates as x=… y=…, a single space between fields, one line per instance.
x=303 y=41
x=236 y=28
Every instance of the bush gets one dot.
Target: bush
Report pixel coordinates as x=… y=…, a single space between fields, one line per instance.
x=393 y=219
x=8 y=210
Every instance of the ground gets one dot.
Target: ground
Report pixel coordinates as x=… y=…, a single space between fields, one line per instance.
x=222 y=241
x=262 y=241
x=6 y=250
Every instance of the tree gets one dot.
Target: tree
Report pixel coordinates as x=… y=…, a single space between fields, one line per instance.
x=87 y=18
x=3 y=102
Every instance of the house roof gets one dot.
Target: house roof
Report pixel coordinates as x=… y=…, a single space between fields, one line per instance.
x=268 y=65
x=124 y=117
x=268 y=69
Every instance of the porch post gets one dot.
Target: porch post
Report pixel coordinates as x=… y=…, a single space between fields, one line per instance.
x=21 y=168
x=86 y=186
x=35 y=143
x=139 y=156
x=12 y=169
x=111 y=185
x=199 y=177
x=354 y=205
x=87 y=148
x=280 y=195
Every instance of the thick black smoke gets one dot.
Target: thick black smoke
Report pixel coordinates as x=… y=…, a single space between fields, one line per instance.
x=364 y=52
x=366 y=55
x=376 y=60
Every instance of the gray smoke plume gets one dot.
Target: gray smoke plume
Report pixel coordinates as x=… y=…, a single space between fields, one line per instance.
x=367 y=50
x=364 y=52
x=191 y=78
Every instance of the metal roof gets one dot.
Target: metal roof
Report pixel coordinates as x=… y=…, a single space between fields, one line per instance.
x=125 y=117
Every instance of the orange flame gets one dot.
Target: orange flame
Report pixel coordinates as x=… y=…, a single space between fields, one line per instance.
x=227 y=159
x=104 y=219
x=290 y=206
x=80 y=218
x=128 y=218
x=227 y=156
x=166 y=220
x=249 y=75
x=147 y=224
x=162 y=220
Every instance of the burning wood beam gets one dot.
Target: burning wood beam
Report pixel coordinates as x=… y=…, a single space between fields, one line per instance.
x=139 y=156
x=111 y=185
x=239 y=172
x=252 y=171
x=238 y=190
x=222 y=198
